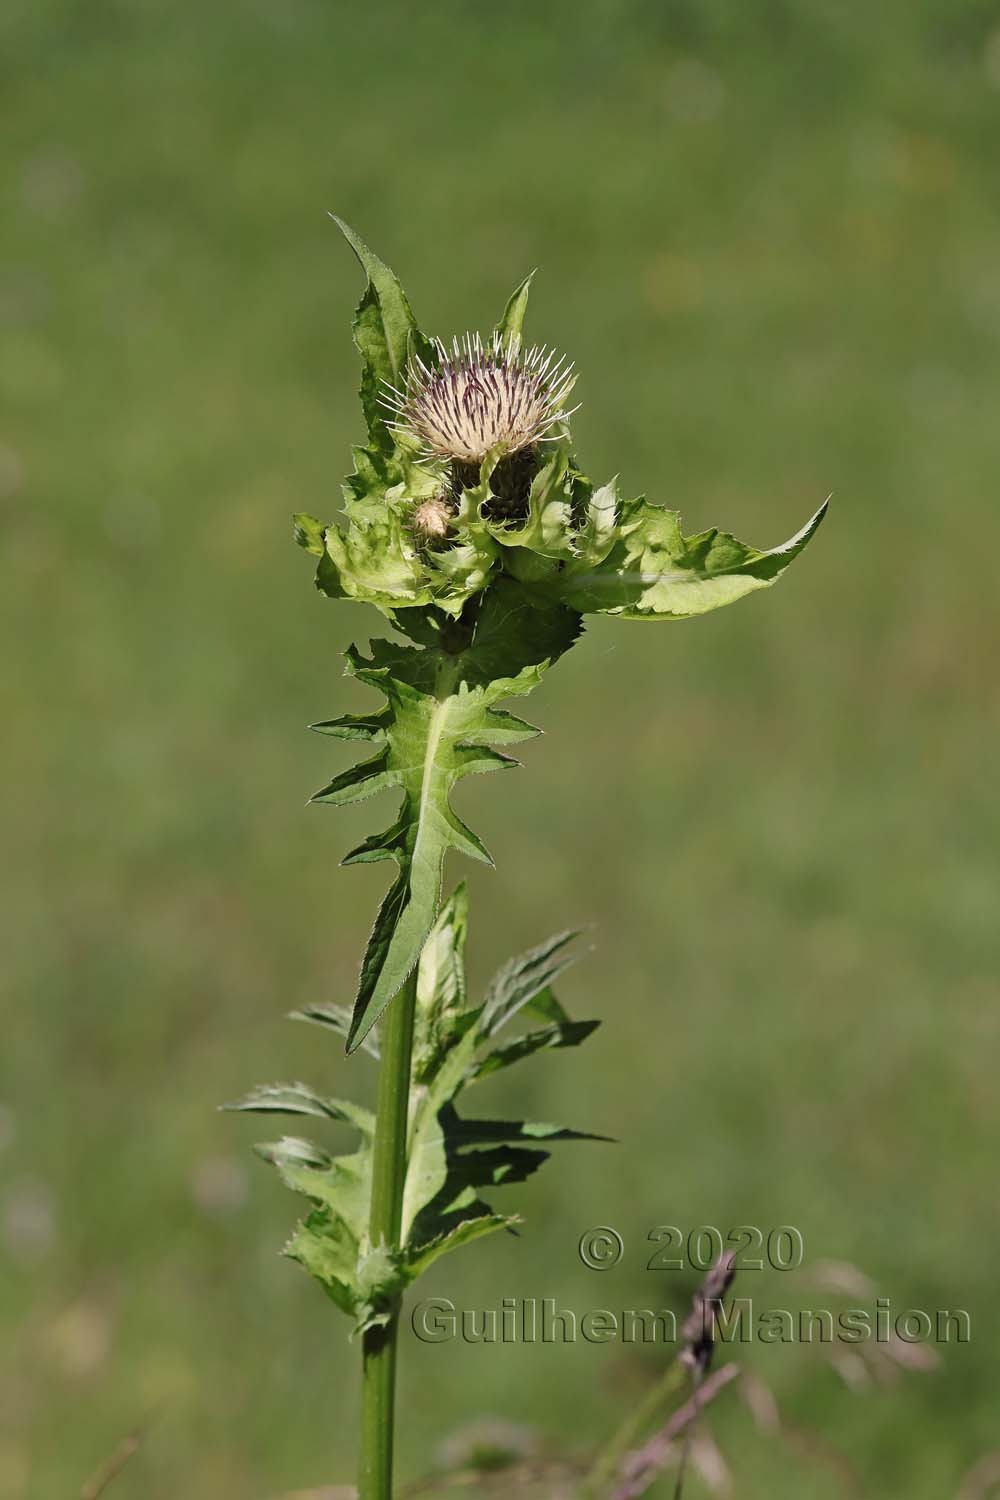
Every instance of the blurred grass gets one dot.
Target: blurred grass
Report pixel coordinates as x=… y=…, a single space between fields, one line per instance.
x=768 y=235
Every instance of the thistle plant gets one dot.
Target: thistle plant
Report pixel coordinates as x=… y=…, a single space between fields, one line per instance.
x=469 y=524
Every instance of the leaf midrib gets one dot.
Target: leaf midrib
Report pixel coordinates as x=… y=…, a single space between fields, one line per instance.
x=438 y=719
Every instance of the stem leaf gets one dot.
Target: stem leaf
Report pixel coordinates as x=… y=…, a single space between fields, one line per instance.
x=524 y=978
x=299 y=1099
x=439 y=726
x=337 y=1018
x=561 y=1034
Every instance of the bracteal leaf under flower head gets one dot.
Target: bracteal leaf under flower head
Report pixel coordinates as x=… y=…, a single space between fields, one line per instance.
x=468 y=475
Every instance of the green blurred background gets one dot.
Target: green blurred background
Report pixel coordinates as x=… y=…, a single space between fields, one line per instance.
x=768 y=235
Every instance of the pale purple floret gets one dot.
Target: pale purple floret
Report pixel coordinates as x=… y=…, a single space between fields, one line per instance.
x=477 y=398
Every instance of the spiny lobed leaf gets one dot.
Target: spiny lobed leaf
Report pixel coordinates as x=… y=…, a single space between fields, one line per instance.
x=439 y=725
x=451 y=1159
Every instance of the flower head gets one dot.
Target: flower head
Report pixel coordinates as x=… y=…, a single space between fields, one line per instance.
x=480 y=398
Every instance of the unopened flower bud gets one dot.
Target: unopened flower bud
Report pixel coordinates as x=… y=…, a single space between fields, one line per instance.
x=432 y=520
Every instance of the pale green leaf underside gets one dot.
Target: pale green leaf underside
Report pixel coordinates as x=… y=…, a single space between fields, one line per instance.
x=652 y=571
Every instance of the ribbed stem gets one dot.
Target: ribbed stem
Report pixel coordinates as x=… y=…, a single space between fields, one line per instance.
x=378 y=1348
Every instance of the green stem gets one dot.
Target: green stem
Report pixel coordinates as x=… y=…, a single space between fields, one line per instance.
x=389 y=1161
x=388 y=1180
